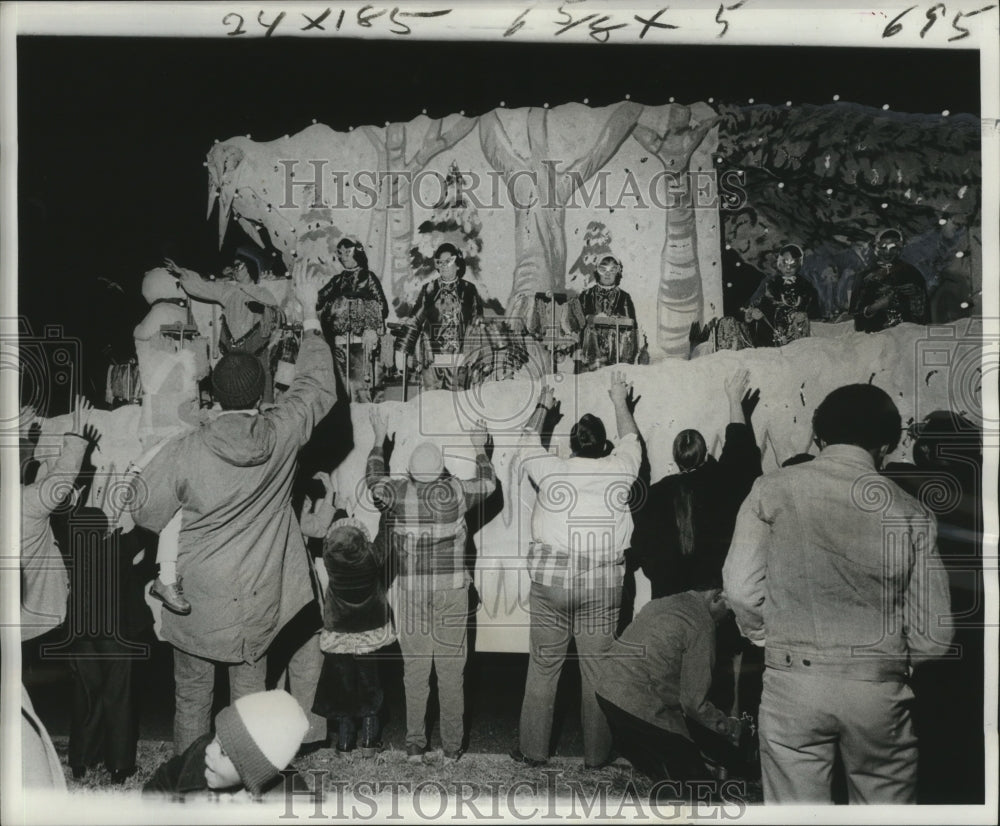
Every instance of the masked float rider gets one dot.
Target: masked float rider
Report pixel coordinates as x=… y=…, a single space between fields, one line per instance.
x=890 y=291
x=593 y=312
x=780 y=313
x=444 y=311
x=249 y=311
x=352 y=303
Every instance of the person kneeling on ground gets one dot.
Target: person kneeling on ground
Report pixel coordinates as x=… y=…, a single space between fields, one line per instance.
x=255 y=739
x=659 y=673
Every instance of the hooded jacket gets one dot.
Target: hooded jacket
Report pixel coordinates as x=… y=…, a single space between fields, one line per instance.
x=241 y=554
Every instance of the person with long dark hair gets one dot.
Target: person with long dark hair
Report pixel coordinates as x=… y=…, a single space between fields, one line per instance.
x=683 y=528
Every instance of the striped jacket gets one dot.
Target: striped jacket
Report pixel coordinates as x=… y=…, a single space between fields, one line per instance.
x=425 y=521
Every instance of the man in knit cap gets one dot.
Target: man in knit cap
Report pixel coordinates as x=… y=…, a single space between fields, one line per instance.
x=245 y=568
x=425 y=527
x=255 y=739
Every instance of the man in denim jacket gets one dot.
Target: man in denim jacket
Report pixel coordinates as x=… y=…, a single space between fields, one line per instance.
x=834 y=569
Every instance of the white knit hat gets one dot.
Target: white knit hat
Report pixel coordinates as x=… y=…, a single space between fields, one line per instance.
x=426 y=462
x=261 y=733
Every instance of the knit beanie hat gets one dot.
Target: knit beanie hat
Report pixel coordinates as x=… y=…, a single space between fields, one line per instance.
x=238 y=381
x=261 y=733
x=426 y=462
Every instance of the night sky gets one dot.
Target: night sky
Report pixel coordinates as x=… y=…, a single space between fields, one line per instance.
x=113 y=132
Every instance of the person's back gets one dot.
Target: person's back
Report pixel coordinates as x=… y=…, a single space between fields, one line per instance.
x=241 y=552
x=654 y=683
x=684 y=524
x=599 y=526
x=233 y=477
x=841 y=556
x=424 y=521
x=671 y=637
x=580 y=527
x=834 y=570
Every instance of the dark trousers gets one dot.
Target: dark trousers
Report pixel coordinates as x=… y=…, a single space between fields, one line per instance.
x=657 y=753
x=103 y=720
x=349 y=686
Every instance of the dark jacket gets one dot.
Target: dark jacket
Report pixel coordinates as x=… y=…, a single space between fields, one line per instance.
x=669 y=684
x=718 y=489
x=355 y=597
x=427 y=312
x=360 y=285
x=904 y=285
x=245 y=567
x=105 y=596
x=185 y=774
x=777 y=302
x=596 y=300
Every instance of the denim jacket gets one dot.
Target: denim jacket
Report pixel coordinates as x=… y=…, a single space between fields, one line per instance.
x=834 y=569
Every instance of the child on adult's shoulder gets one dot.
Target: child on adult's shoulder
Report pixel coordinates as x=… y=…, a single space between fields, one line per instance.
x=255 y=739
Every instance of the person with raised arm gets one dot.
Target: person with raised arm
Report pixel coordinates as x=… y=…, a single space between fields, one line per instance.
x=241 y=553
x=576 y=565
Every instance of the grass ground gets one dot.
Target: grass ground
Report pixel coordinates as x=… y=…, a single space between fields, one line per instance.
x=563 y=778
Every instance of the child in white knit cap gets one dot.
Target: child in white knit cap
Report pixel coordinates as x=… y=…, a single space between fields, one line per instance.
x=255 y=739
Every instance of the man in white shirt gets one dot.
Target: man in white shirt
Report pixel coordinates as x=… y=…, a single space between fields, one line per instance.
x=580 y=527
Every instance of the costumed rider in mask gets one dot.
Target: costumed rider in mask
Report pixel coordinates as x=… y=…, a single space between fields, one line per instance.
x=604 y=315
x=890 y=291
x=445 y=310
x=249 y=312
x=352 y=307
x=779 y=312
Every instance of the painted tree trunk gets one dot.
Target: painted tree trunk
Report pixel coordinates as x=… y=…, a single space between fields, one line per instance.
x=540 y=254
x=539 y=189
x=679 y=296
x=398 y=207
x=378 y=228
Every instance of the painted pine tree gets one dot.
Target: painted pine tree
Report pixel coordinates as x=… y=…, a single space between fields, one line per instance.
x=454 y=220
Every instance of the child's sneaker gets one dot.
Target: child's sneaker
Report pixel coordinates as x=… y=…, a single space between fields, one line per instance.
x=171 y=595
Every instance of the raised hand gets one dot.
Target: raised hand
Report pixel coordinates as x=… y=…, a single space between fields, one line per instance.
x=176 y=270
x=306 y=287
x=480 y=435
x=631 y=400
x=92 y=434
x=326 y=479
x=82 y=411
x=619 y=389
x=26 y=420
x=737 y=384
x=547 y=397
x=316 y=519
x=380 y=425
